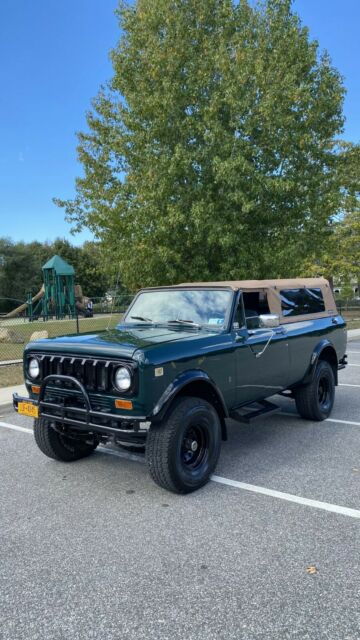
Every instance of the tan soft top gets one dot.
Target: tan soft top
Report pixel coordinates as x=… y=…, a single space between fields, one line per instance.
x=251 y=285
x=273 y=289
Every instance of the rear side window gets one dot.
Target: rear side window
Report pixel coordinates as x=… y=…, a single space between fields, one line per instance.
x=299 y=302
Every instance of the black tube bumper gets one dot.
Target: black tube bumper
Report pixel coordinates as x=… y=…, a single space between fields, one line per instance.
x=84 y=418
x=342 y=362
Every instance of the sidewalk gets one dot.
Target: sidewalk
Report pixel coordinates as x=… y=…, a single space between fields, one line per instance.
x=353 y=334
x=6 y=392
x=6 y=395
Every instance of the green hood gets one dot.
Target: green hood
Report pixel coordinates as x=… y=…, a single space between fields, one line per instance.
x=118 y=342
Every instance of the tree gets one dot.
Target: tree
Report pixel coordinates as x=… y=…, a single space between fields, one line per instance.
x=93 y=273
x=340 y=258
x=19 y=272
x=213 y=151
x=347 y=235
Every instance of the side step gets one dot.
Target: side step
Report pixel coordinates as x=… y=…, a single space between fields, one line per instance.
x=254 y=410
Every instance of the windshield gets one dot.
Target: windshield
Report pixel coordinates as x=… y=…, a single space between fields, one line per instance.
x=187 y=307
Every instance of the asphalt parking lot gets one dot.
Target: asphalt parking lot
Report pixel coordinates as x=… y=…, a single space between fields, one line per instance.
x=95 y=550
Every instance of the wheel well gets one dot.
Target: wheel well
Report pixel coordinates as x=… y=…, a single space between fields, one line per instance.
x=204 y=390
x=329 y=355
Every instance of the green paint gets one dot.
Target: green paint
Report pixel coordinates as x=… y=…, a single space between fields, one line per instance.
x=230 y=358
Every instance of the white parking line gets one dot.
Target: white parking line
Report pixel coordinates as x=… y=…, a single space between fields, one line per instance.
x=325 y=506
x=344 y=384
x=353 y=365
x=15 y=427
x=121 y=454
x=355 y=424
x=296 y=415
x=288 y=497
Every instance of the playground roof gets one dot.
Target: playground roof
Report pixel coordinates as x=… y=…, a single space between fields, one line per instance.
x=61 y=267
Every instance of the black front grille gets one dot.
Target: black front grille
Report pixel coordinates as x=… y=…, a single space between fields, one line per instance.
x=95 y=374
x=70 y=396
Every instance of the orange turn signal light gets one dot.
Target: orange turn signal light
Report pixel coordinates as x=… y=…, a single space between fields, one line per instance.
x=123 y=404
x=35 y=388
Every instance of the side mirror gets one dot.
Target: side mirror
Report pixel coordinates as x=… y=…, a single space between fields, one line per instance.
x=269 y=320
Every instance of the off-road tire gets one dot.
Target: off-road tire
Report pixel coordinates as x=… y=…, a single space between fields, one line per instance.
x=173 y=461
x=59 y=447
x=315 y=400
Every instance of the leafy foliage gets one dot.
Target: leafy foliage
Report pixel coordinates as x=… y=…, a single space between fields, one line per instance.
x=213 y=152
x=340 y=257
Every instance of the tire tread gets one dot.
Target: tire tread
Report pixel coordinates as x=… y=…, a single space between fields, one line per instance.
x=48 y=441
x=306 y=397
x=159 y=441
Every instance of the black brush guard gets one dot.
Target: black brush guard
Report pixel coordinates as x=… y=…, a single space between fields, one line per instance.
x=82 y=418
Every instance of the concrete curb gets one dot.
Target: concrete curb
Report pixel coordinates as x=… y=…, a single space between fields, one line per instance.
x=5 y=363
x=353 y=334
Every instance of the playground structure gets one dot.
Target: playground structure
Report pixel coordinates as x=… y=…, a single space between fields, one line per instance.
x=58 y=296
x=26 y=305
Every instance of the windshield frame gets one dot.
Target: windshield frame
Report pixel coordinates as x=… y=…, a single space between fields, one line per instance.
x=228 y=317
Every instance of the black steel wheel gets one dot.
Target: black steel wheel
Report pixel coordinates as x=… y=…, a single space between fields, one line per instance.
x=182 y=452
x=315 y=400
x=59 y=446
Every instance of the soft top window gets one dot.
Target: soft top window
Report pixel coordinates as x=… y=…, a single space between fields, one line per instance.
x=302 y=301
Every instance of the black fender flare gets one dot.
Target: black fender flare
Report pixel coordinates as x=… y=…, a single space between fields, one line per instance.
x=175 y=388
x=315 y=356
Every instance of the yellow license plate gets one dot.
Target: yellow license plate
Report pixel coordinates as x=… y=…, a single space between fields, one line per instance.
x=28 y=409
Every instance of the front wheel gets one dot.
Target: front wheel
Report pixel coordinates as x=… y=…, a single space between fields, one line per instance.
x=183 y=450
x=315 y=400
x=60 y=446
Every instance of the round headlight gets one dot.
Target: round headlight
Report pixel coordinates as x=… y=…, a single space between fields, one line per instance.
x=122 y=379
x=34 y=368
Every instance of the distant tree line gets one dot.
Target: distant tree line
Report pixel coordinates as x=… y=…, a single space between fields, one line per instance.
x=21 y=263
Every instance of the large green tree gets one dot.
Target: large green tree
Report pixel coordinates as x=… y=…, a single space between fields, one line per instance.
x=340 y=257
x=212 y=152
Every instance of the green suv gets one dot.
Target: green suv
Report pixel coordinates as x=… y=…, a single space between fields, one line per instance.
x=183 y=360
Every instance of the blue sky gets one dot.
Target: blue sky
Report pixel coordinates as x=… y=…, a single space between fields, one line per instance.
x=54 y=56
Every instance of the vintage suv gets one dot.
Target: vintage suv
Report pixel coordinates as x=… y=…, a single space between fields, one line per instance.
x=183 y=360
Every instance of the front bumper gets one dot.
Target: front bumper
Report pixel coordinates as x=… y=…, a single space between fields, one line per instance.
x=342 y=362
x=84 y=418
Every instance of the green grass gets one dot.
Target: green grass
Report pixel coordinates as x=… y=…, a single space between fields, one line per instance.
x=352 y=317
x=11 y=375
x=9 y=351
x=353 y=324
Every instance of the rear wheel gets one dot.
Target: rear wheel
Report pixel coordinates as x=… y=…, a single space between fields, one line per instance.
x=60 y=446
x=315 y=400
x=182 y=452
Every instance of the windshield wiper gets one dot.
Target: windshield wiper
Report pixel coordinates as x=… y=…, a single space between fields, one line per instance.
x=141 y=318
x=180 y=321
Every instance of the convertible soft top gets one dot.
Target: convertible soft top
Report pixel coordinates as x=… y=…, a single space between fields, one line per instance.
x=255 y=285
x=273 y=289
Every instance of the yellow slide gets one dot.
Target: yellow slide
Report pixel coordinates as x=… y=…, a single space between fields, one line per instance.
x=22 y=307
